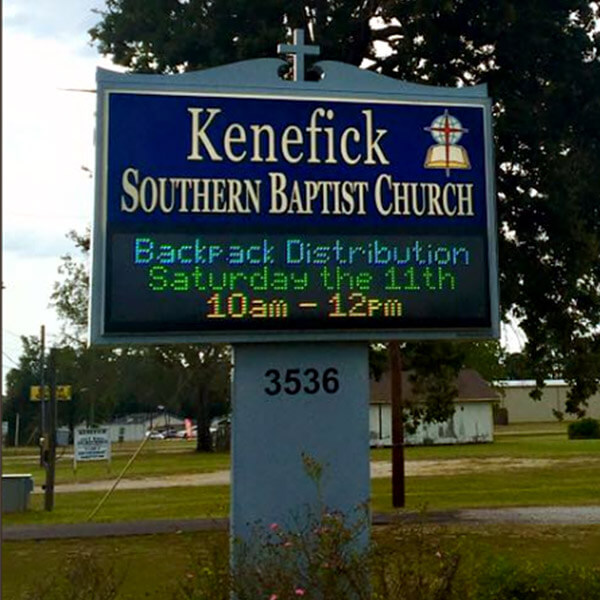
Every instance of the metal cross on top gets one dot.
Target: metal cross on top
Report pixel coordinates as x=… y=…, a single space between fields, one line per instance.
x=298 y=50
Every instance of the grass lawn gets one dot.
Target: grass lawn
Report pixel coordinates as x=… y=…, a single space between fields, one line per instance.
x=152 y=564
x=170 y=457
x=146 y=573
x=156 y=458
x=574 y=485
x=558 y=484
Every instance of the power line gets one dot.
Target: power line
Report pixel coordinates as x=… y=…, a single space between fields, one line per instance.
x=11 y=333
x=12 y=360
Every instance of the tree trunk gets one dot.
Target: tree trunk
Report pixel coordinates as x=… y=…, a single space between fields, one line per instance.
x=203 y=441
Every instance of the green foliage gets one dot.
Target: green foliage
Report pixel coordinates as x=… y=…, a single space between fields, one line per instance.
x=321 y=558
x=191 y=381
x=69 y=296
x=584 y=429
x=208 y=573
x=540 y=63
x=406 y=562
x=18 y=383
x=411 y=563
x=83 y=576
x=505 y=580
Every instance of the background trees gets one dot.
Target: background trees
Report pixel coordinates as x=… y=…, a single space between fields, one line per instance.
x=190 y=381
x=540 y=62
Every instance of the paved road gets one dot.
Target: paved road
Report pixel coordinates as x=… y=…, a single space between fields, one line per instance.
x=549 y=515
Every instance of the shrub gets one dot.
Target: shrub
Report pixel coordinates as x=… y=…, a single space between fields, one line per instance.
x=321 y=557
x=82 y=577
x=208 y=576
x=584 y=429
x=506 y=580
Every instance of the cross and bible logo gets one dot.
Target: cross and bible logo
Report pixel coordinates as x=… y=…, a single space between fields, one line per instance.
x=446 y=130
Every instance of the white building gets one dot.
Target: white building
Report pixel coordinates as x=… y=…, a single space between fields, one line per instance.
x=133 y=428
x=520 y=407
x=472 y=422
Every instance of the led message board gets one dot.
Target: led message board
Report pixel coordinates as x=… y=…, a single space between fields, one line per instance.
x=277 y=210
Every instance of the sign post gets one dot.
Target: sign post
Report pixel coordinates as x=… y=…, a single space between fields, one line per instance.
x=297 y=220
x=294 y=402
x=91 y=444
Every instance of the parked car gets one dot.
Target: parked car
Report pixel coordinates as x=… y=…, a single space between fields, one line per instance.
x=182 y=433
x=155 y=435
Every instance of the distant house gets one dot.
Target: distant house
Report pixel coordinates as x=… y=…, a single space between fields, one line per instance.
x=133 y=428
x=520 y=407
x=472 y=421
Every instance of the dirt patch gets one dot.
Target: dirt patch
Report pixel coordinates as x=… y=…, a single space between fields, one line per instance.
x=379 y=469
x=457 y=466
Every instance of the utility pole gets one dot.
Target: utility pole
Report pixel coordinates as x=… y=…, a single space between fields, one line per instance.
x=43 y=438
x=398 y=493
x=50 y=462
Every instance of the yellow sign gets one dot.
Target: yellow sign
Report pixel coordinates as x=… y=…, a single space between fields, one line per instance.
x=63 y=392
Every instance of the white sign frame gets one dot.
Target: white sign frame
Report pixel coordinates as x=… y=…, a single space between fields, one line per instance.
x=92 y=444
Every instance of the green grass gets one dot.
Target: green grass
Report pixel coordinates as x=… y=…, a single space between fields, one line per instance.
x=156 y=459
x=187 y=502
x=555 y=427
x=509 y=446
x=528 y=487
x=577 y=485
x=152 y=564
x=147 y=574
x=140 y=559
x=169 y=457
x=558 y=484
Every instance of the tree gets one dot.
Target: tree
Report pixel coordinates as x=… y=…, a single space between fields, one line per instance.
x=18 y=383
x=187 y=379
x=541 y=65
x=540 y=61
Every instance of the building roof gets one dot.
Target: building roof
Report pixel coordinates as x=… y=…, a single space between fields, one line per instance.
x=511 y=383
x=470 y=384
x=144 y=418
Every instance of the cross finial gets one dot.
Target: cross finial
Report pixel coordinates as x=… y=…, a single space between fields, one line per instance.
x=298 y=49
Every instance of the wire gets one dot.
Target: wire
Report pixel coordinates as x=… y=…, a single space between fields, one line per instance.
x=12 y=360
x=11 y=333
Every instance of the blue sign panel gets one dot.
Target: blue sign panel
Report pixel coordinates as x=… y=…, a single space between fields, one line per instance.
x=228 y=214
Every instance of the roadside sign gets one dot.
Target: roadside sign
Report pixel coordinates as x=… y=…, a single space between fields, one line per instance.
x=63 y=392
x=91 y=444
x=241 y=208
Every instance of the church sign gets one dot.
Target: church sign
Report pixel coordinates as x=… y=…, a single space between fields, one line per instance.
x=233 y=205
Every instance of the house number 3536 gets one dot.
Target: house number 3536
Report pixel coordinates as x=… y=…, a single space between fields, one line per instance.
x=294 y=381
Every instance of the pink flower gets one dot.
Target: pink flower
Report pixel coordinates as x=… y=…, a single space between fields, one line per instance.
x=273 y=597
x=299 y=591
x=273 y=527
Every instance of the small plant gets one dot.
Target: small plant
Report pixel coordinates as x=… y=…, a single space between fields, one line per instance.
x=411 y=563
x=320 y=558
x=208 y=577
x=584 y=429
x=323 y=555
x=82 y=577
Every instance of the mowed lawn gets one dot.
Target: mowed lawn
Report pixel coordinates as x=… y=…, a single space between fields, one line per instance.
x=152 y=566
x=570 y=477
x=568 y=473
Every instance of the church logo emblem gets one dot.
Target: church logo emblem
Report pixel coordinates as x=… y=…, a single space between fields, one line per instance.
x=446 y=154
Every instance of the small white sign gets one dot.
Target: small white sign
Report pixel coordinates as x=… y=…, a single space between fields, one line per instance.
x=92 y=444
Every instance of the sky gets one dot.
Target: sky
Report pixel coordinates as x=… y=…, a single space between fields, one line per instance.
x=48 y=156
x=47 y=149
